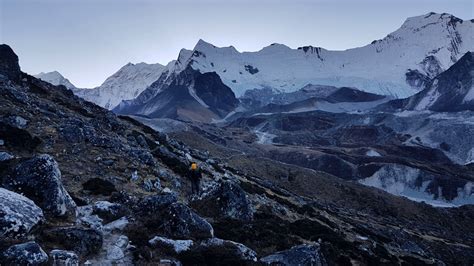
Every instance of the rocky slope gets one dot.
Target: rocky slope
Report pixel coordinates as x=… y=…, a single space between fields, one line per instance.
x=105 y=189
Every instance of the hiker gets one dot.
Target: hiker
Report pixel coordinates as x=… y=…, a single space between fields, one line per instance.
x=195 y=176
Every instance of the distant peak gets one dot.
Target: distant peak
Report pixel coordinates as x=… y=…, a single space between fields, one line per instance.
x=430 y=18
x=276 y=47
x=201 y=44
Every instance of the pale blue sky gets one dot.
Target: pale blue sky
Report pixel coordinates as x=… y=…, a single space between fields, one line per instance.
x=88 y=40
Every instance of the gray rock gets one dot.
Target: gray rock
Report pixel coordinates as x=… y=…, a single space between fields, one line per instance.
x=227 y=199
x=29 y=253
x=18 y=215
x=4 y=156
x=15 y=121
x=298 y=255
x=108 y=211
x=171 y=246
x=155 y=203
x=217 y=251
x=82 y=241
x=64 y=258
x=151 y=184
x=179 y=221
x=39 y=179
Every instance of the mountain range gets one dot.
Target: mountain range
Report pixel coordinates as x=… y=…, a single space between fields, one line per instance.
x=399 y=65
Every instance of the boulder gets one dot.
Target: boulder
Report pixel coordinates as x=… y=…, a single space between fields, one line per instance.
x=18 y=215
x=179 y=221
x=227 y=199
x=217 y=251
x=29 y=253
x=155 y=203
x=63 y=258
x=108 y=211
x=82 y=241
x=39 y=179
x=171 y=246
x=299 y=255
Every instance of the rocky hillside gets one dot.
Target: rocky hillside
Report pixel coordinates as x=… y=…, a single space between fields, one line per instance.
x=79 y=184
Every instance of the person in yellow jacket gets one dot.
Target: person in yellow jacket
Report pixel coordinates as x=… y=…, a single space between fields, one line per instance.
x=195 y=177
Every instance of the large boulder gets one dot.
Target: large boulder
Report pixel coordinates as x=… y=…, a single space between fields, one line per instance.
x=179 y=221
x=29 y=253
x=18 y=215
x=299 y=255
x=217 y=251
x=39 y=179
x=227 y=199
x=155 y=203
x=82 y=241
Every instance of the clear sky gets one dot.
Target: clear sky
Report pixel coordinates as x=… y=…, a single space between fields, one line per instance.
x=88 y=40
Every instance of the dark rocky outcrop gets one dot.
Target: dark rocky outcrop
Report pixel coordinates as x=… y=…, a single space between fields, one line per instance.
x=18 y=215
x=29 y=253
x=39 y=178
x=9 y=67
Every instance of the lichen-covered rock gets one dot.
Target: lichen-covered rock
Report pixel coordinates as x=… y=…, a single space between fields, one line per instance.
x=155 y=203
x=170 y=245
x=227 y=199
x=29 y=253
x=179 y=221
x=217 y=251
x=298 y=255
x=82 y=241
x=63 y=258
x=39 y=179
x=109 y=211
x=18 y=215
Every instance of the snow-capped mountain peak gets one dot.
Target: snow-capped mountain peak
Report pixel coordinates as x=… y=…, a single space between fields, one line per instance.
x=396 y=65
x=55 y=78
x=125 y=84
